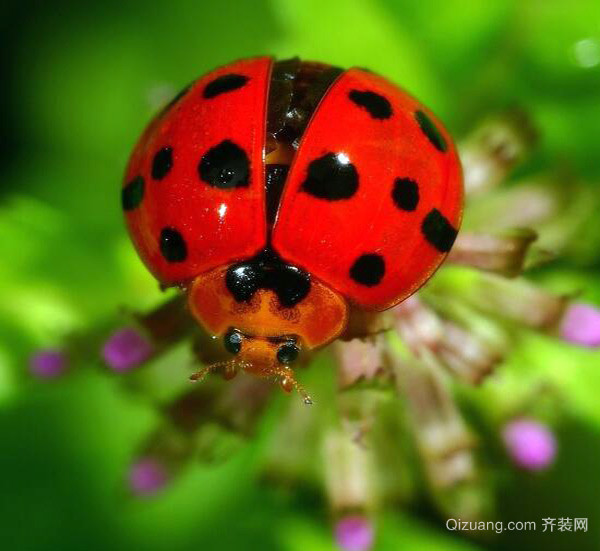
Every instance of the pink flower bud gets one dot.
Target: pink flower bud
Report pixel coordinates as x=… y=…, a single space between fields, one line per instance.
x=530 y=444
x=125 y=349
x=581 y=325
x=147 y=476
x=48 y=363
x=354 y=533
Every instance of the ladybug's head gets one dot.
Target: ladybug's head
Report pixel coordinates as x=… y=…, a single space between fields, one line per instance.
x=264 y=336
x=261 y=357
x=265 y=357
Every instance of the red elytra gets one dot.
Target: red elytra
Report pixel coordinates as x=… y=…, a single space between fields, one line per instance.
x=327 y=237
x=217 y=225
x=368 y=210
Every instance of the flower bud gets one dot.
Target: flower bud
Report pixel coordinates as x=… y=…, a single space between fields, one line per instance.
x=348 y=472
x=581 y=325
x=359 y=359
x=48 y=363
x=126 y=349
x=354 y=533
x=147 y=476
x=502 y=254
x=530 y=444
x=494 y=148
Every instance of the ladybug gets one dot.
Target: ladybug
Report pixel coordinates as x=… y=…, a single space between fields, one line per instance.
x=291 y=200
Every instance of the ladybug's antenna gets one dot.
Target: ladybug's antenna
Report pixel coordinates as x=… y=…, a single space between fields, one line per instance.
x=288 y=382
x=230 y=369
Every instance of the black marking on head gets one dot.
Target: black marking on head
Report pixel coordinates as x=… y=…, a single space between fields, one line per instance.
x=225 y=166
x=438 y=231
x=289 y=283
x=172 y=245
x=232 y=340
x=133 y=193
x=223 y=84
x=332 y=177
x=275 y=179
x=376 y=105
x=431 y=131
x=368 y=269
x=243 y=280
x=405 y=194
x=287 y=353
x=162 y=163
x=267 y=271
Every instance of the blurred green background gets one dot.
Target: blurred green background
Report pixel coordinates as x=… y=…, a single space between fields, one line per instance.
x=80 y=81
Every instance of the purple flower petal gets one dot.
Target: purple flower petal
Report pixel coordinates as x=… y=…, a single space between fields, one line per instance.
x=48 y=363
x=126 y=348
x=354 y=533
x=531 y=444
x=147 y=476
x=581 y=325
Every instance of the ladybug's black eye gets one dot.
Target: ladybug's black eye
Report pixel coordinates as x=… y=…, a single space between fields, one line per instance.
x=287 y=353
x=232 y=341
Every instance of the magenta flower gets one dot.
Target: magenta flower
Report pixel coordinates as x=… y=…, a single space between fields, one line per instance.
x=48 y=363
x=147 y=477
x=354 y=533
x=530 y=444
x=126 y=348
x=581 y=325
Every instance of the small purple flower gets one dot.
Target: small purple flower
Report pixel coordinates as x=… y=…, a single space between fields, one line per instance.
x=147 y=476
x=126 y=348
x=530 y=444
x=581 y=325
x=354 y=533
x=48 y=363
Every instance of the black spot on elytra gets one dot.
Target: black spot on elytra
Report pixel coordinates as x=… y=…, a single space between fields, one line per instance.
x=405 y=194
x=431 y=131
x=162 y=163
x=376 y=105
x=172 y=245
x=332 y=177
x=368 y=269
x=267 y=271
x=225 y=166
x=133 y=193
x=223 y=84
x=438 y=231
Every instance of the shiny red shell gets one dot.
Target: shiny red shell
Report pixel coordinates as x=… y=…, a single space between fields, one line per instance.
x=376 y=238
x=216 y=225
